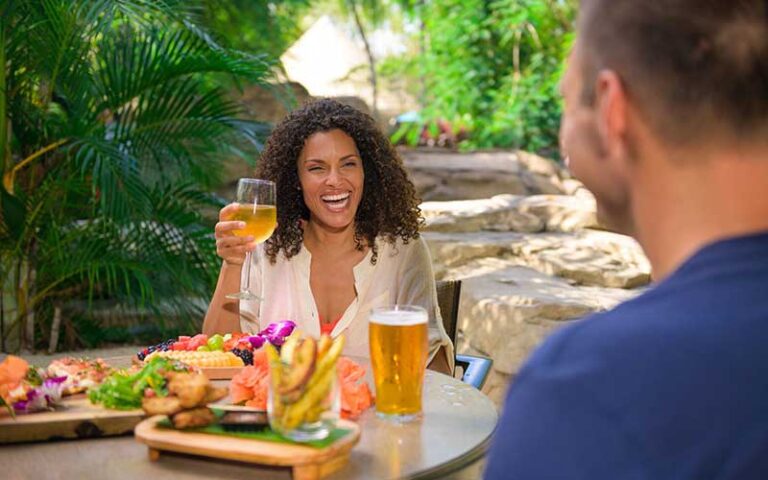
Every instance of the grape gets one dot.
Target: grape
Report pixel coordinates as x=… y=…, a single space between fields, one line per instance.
x=216 y=342
x=245 y=355
x=160 y=347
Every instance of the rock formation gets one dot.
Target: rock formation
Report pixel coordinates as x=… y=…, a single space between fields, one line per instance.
x=524 y=239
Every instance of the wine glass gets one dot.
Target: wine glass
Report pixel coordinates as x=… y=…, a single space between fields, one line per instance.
x=256 y=199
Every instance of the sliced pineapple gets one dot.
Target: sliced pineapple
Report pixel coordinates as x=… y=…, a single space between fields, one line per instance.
x=201 y=359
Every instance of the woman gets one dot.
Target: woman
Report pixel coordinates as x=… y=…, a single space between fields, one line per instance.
x=347 y=238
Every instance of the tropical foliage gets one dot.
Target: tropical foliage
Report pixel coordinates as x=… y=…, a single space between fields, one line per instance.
x=487 y=69
x=491 y=69
x=113 y=124
x=265 y=26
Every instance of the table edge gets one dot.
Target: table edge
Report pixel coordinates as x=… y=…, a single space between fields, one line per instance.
x=458 y=463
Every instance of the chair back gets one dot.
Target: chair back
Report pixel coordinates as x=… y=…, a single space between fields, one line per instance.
x=448 y=296
x=475 y=368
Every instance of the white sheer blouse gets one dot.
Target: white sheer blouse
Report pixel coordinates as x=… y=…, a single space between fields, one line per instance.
x=402 y=275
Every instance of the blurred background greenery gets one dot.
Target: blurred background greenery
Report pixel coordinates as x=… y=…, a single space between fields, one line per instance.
x=120 y=120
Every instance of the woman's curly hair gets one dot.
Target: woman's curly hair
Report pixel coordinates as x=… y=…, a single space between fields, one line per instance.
x=389 y=206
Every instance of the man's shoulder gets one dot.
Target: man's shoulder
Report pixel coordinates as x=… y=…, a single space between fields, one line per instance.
x=675 y=338
x=695 y=310
x=651 y=378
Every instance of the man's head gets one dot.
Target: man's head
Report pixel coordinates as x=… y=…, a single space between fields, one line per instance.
x=674 y=74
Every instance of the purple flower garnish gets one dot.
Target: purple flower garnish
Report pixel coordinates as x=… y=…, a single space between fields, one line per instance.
x=42 y=397
x=275 y=333
x=256 y=341
x=269 y=330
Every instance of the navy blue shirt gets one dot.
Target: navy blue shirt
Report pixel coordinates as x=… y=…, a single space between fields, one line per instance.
x=672 y=384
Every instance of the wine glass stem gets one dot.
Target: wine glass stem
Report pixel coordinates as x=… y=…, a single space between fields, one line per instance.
x=247 y=284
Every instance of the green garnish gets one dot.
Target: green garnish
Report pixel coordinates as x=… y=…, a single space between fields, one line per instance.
x=33 y=377
x=7 y=407
x=124 y=391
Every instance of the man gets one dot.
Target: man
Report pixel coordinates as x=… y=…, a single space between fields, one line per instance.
x=666 y=122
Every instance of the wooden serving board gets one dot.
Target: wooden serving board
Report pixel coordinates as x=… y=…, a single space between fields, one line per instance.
x=307 y=463
x=75 y=417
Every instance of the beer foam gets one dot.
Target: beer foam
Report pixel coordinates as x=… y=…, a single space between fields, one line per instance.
x=396 y=318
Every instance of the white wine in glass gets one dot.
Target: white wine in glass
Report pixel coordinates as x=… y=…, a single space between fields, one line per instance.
x=256 y=199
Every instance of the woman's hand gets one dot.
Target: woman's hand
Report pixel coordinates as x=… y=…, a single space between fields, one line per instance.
x=229 y=246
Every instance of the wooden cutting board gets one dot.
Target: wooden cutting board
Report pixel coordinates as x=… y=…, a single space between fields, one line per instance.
x=75 y=417
x=307 y=463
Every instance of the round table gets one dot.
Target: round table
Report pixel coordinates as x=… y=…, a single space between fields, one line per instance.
x=454 y=432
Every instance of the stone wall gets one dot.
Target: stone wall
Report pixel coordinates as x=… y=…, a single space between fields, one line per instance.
x=445 y=175
x=526 y=244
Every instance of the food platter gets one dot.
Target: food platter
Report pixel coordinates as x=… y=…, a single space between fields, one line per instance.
x=307 y=463
x=74 y=417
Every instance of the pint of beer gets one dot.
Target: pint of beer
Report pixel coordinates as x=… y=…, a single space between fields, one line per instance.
x=399 y=344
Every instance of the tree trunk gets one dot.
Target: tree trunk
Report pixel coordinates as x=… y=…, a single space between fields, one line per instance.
x=70 y=337
x=2 y=316
x=4 y=158
x=29 y=337
x=422 y=55
x=4 y=138
x=55 y=328
x=371 y=60
x=18 y=286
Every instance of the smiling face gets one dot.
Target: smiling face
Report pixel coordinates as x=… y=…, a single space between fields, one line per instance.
x=331 y=176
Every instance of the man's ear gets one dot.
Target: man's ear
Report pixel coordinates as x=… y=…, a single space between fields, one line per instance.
x=611 y=109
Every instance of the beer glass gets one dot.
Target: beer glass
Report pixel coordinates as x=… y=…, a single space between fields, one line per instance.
x=256 y=199
x=399 y=348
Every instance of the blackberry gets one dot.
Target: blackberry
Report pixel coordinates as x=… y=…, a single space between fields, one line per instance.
x=163 y=346
x=142 y=354
x=245 y=355
x=160 y=347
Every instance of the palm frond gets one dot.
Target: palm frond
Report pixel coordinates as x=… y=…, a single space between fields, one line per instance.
x=135 y=62
x=87 y=255
x=129 y=93
x=139 y=12
x=114 y=177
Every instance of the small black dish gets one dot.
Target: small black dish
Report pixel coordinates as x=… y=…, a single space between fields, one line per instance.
x=244 y=421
